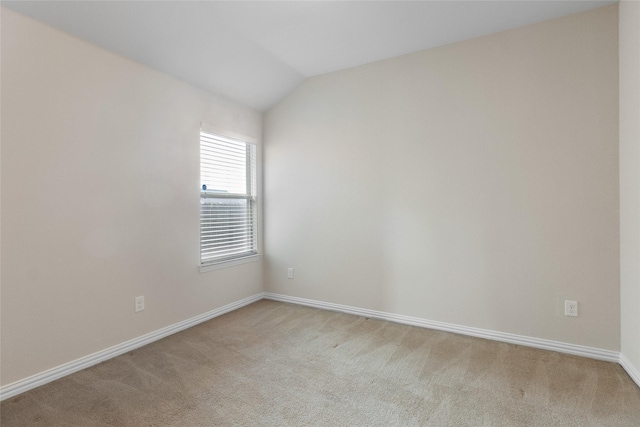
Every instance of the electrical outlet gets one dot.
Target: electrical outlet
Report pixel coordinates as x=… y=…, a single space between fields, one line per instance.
x=139 y=303
x=571 y=308
x=289 y=273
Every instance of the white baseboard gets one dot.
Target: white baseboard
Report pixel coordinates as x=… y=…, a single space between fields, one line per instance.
x=577 y=350
x=633 y=371
x=53 y=374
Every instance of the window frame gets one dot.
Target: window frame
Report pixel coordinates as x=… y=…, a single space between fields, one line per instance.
x=253 y=195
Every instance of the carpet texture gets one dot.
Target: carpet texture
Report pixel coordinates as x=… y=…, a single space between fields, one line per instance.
x=277 y=364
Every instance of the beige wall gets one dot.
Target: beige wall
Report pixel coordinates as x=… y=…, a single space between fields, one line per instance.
x=630 y=180
x=100 y=204
x=475 y=184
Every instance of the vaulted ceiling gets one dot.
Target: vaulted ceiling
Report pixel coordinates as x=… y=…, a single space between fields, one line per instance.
x=255 y=52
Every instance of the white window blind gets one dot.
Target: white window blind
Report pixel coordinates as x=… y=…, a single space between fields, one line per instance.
x=228 y=211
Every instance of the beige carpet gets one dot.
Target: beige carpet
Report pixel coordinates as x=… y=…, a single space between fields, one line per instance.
x=275 y=364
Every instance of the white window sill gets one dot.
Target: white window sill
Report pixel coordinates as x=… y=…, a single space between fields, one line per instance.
x=230 y=263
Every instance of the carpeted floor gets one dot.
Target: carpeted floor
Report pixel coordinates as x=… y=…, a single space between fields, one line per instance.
x=276 y=364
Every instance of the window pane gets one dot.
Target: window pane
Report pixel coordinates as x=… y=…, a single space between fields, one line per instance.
x=226 y=227
x=223 y=165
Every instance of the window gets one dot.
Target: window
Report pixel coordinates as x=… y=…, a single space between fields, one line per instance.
x=228 y=208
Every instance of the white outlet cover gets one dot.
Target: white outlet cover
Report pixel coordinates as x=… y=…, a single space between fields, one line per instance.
x=571 y=308
x=139 y=303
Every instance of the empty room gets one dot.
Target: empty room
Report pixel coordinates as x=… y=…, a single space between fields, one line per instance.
x=290 y=213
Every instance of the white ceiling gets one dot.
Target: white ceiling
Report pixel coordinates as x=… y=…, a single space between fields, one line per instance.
x=255 y=52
